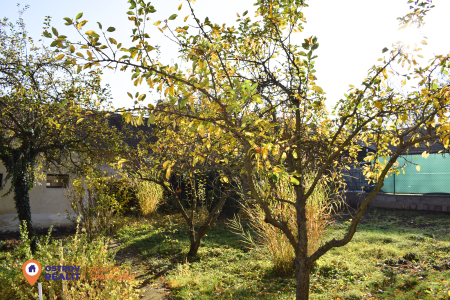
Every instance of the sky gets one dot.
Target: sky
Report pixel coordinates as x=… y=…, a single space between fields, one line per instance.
x=351 y=33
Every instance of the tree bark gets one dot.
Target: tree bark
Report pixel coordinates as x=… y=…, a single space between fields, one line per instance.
x=22 y=202
x=302 y=276
x=194 y=247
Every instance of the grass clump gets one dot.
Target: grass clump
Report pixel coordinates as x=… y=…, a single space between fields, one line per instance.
x=150 y=196
x=270 y=241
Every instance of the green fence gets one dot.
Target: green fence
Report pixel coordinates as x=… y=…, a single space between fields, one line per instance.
x=433 y=177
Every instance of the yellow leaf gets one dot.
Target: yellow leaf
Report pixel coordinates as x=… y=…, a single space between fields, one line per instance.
x=150 y=82
x=113 y=41
x=171 y=90
x=59 y=57
x=425 y=154
x=80 y=55
x=120 y=162
x=424 y=42
x=166 y=91
x=165 y=164
x=351 y=85
x=265 y=153
x=225 y=179
x=378 y=104
x=160 y=30
x=185 y=19
x=418 y=168
x=157 y=23
x=277 y=170
x=197 y=85
x=80 y=120
x=383 y=83
x=72 y=49
x=168 y=173
x=318 y=89
x=179 y=6
x=89 y=32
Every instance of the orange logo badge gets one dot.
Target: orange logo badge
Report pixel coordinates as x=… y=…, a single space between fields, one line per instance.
x=31 y=270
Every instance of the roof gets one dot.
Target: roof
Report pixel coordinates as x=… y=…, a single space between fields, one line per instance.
x=130 y=131
x=434 y=147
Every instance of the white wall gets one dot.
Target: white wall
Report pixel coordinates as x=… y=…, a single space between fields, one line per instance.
x=43 y=200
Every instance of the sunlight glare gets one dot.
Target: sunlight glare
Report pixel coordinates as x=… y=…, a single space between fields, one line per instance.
x=410 y=37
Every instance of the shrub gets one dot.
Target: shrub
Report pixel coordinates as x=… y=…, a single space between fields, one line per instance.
x=270 y=241
x=92 y=200
x=149 y=196
x=74 y=251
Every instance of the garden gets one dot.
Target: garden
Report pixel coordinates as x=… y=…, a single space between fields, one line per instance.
x=395 y=254
x=225 y=176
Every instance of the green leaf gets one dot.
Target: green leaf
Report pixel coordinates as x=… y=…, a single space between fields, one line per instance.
x=111 y=29
x=130 y=13
x=54 y=44
x=294 y=180
x=173 y=17
x=47 y=34
x=55 y=32
x=385 y=49
x=245 y=12
x=151 y=120
x=135 y=75
x=99 y=25
x=79 y=15
x=131 y=96
x=68 y=20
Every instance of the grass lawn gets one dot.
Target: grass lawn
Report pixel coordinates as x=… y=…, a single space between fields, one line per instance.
x=395 y=254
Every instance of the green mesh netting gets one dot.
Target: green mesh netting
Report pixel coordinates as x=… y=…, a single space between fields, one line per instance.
x=433 y=177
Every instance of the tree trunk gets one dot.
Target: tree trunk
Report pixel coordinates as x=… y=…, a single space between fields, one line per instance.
x=194 y=247
x=22 y=201
x=302 y=275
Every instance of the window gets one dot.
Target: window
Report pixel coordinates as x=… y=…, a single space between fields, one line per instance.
x=57 y=180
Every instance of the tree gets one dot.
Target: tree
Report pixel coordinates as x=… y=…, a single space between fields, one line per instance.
x=46 y=115
x=244 y=79
x=179 y=158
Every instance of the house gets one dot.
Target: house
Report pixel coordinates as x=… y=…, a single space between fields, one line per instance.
x=47 y=198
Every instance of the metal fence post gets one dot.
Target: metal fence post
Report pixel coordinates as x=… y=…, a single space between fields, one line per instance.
x=394 y=183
